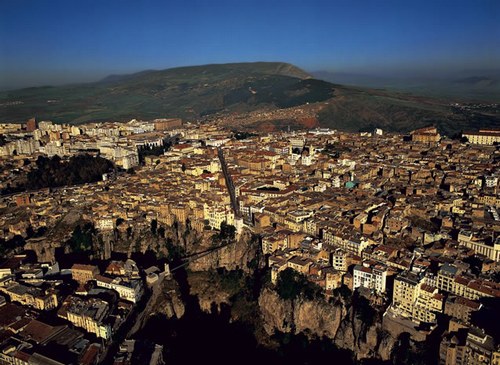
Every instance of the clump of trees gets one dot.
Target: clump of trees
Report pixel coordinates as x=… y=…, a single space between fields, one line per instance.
x=79 y=169
x=7 y=246
x=239 y=135
x=335 y=149
x=227 y=233
x=232 y=281
x=152 y=150
x=154 y=226
x=291 y=284
x=175 y=252
x=81 y=238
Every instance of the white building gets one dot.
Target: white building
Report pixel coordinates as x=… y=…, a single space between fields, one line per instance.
x=27 y=146
x=484 y=136
x=130 y=161
x=369 y=276
x=339 y=260
x=54 y=148
x=129 y=290
x=88 y=314
x=105 y=223
x=217 y=214
x=336 y=181
x=491 y=181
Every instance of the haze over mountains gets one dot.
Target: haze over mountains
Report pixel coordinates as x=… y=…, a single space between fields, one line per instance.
x=220 y=89
x=470 y=84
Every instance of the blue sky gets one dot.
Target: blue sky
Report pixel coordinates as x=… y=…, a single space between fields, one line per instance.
x=53 y=42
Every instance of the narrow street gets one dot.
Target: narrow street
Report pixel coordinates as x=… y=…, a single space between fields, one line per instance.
x=229 y=183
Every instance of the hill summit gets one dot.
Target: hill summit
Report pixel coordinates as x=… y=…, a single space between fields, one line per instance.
x=226 y=70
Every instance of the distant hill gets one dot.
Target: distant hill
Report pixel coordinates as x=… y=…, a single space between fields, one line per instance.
x=197 y=91
x=188 y=92
x=481 y=85
x=478 y=81
x=359 y=109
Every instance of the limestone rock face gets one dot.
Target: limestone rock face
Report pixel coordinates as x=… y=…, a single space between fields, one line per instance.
x=234 y=256
x=318 y=318
x=170 y=294
x=136 y=239
x=209 y=292
x=276 y=314
x=386 y=345
x=172 y=305
x=353 y=333
x=44 y=249
x=165 y=300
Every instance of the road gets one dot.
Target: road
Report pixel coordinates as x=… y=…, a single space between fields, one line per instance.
x=229 y=183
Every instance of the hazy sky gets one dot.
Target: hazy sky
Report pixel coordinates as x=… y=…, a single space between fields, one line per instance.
x=53 y=42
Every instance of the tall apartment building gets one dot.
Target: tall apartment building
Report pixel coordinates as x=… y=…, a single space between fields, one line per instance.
x=427 y=304
x=29 y=295
x=405 y=292
x=415 y=299
x=167 y=123
x=370 y=276
x=450 y=281
x=130 y=290
x=31 y=125
x=492 y=251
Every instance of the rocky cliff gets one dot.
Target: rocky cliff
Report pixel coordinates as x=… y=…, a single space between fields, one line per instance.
x=244 y=251
x=210 y=291
x=163 y=298
x=226 y=278
x=339 y=321
x=232 y=277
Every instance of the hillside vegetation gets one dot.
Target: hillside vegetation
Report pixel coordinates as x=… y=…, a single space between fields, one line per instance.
x=188 y=92
x=356 y=109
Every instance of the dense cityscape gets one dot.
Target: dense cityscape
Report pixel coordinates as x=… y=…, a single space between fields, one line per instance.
x=406 y=224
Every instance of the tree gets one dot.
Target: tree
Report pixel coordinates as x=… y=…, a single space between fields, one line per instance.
x=291 y=284
x=154 y=226
x=288 y=286
x=227 y=231
x=175 y=252
x=81 y=238
x=363 y=310
x=79 y=169
x=6 y=246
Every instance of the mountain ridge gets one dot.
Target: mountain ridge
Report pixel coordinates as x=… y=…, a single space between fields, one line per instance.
x=193 y=92
x=278 y=68
x=187 y=92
